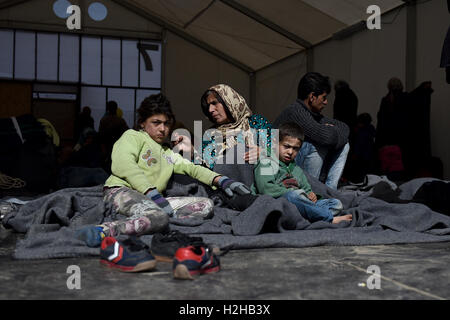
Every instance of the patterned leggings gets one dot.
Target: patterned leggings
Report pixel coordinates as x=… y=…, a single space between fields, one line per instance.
x=145 y=216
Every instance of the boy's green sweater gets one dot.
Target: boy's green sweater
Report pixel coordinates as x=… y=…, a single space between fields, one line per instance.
x=140 y=163
x=275 y=178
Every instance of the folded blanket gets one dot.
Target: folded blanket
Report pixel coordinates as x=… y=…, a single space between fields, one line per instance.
x=50 y=222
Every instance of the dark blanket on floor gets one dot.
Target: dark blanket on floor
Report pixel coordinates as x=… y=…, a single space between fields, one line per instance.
x=50 y=222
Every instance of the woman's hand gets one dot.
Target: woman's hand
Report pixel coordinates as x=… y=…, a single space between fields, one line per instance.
x=182 y=143
x=252 y=155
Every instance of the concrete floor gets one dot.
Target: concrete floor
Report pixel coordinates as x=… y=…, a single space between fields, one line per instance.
x=412 y=272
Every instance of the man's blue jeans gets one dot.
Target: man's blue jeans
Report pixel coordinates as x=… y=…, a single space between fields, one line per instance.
x=322 y=210
x=318 y=160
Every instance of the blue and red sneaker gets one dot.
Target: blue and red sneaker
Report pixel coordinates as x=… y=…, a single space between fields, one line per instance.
x=192 y=260
x=130 y=255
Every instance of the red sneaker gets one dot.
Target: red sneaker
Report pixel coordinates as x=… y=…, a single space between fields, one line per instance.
x=130 y=255
x=192 y=260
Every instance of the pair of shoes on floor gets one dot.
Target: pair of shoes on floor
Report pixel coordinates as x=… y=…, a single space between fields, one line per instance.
x=129 y=255
x=192 y=256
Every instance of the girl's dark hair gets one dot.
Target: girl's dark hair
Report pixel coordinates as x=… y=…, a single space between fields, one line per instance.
x=152 y=105
x=313 y=82
x=291 y=129
x=205 y=105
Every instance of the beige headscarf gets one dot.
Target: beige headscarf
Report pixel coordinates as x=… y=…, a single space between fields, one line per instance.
x=239 y=110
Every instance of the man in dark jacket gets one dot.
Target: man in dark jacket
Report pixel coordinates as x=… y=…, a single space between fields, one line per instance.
x=324 y=152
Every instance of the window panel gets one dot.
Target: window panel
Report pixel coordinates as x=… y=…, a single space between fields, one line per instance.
x=6 y=53
x=111 y=62
x=69 y=47
x=91 y=60
x=95 y=98
x=130 y=56
x=150 y=78
x=47 y=56
x=142 y=94
x=25 y=55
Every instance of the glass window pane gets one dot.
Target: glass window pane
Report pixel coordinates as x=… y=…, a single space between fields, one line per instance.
x=111 y=62
x=125 y=101
x=95 y=98
x=130 y=56
x=91 y=60
x=150 y=78
x=142 y=94
x=69 y=58
x=47 y=56
x=25 y=55
x=6 y=53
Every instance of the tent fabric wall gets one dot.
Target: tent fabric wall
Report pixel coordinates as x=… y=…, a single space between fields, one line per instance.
x=189 y=72
x=377 y=56
x=276 y=86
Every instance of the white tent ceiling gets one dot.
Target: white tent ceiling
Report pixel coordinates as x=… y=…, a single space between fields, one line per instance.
x=251 y=34
x=256 y=33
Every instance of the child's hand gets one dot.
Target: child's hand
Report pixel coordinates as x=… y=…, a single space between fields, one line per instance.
x=230 y=187
x=312 y=196
x=162 y=202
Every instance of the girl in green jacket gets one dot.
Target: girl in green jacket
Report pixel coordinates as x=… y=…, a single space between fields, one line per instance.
x=141 y=169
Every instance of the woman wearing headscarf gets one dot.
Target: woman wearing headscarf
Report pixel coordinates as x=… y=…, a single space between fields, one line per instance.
x=234 y=122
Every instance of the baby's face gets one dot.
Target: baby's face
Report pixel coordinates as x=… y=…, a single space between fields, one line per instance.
x=288 y=149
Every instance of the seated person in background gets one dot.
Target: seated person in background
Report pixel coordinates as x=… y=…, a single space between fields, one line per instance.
x=111 y=128
x=283 y=178
x=84 y=120
x=141 y=169
x=324 y=152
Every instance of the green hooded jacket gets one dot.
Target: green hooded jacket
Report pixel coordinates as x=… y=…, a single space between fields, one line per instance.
x=275 y=178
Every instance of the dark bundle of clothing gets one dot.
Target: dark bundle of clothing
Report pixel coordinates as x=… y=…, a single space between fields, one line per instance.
x=360 y=161
x=27 y=153
x=391 y=122
x=434 y=195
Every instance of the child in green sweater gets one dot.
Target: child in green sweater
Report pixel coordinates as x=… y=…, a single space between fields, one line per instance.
x=141 y=169
x=283 y=178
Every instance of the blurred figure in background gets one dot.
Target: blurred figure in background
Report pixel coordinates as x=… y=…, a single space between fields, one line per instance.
x=111 y=129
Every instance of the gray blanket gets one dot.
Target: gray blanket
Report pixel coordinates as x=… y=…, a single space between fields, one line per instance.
x=50 y=222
